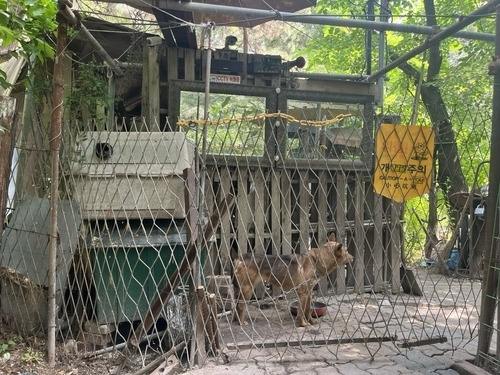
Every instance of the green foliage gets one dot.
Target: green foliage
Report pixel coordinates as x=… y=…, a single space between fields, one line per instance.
x=7 y=344
x=5 y=348
x=27 y=24
x=462 y=81
x=89 y=92
x=32 y=356
x=232 y=128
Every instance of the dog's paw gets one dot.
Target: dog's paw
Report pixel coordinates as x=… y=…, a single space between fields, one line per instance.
x=312 y=321
x=236 y=319
x=302 y=323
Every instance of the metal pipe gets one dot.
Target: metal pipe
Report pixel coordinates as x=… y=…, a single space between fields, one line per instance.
x=270 y=15
x=331 y=77
x=75 y=22
x=384 y=17
x=369 y=36
x=111 y=100
x=491 y=246
x=449 y=31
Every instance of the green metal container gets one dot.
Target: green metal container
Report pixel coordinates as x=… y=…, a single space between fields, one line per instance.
x=131 y=265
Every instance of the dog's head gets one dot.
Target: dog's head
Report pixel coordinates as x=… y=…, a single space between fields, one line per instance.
x=330 y=256
x=340 y=253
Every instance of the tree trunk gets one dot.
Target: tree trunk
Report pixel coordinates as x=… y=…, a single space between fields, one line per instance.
x=449 y=174
x=449 y=177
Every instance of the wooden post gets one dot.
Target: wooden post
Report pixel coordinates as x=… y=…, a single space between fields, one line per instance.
x=340 y=221
x=55 y=145
x=378 y=243
x=226 y=224
x=215 y=343
x=201 y=327
x=151 y=85
x=7 y=111
x=304 y=197
x=259 y=209
x=359 y=235
x=322 y=208
x=395 y=235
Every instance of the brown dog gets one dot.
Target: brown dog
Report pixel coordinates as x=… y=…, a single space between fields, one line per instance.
x=299 y=272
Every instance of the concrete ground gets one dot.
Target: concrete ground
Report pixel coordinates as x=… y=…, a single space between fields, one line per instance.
x=346 y=359
x=431 y=334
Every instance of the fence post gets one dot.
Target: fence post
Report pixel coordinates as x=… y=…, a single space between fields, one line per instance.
x=491 y=250
x=7 y=111
x=55 y=145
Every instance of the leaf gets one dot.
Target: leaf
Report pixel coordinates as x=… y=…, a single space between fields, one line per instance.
x=226 y=101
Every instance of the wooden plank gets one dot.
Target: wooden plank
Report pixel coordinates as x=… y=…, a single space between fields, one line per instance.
x=226 y=222
x=259 y=209
x=7 y=115
x=212 y=265
x=172 y=64
x=359 y=235
x=276 y=212
x=304 y=198
x=286 y=212
x=242 y=210
x=378 y=243
x=368 y=231
x=395 y=260
x=145 y=86
x=189 y=64
x=322 y=204
x=340 y=219
x=153 y=109
x=322 y=209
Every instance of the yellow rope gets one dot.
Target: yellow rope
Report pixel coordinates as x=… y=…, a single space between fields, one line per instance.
x=284 y=116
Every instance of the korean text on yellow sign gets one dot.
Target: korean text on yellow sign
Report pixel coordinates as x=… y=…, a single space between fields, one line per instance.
x=403 y=161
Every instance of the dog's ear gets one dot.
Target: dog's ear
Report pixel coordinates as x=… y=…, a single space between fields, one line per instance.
x=332 y=237
x=338 y=251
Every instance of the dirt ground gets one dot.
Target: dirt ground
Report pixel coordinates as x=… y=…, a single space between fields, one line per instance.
x=27 y=356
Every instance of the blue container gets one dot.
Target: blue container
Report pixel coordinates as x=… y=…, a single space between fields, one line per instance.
x=452 y=262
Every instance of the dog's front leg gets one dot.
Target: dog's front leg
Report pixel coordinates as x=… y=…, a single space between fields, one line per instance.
x=244 y=296
x=304 y=317
x=308 y=307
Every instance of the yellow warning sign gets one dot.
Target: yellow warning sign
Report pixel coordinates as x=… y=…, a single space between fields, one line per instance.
x=403 y=161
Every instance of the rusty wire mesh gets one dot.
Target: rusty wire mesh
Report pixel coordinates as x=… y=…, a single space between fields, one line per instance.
x=124 y=234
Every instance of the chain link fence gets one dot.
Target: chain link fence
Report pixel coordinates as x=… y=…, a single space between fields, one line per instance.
x=151 y=225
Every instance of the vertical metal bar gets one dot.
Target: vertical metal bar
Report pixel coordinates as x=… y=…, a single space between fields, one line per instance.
x=369 y=36
x=491 y=253
x=384 y=8
x=111 y=100
x=197 y=352
x=55 y=145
